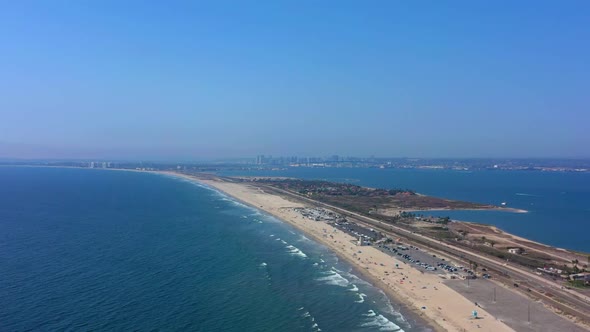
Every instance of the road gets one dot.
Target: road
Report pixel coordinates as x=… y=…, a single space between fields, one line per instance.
x=572 y=302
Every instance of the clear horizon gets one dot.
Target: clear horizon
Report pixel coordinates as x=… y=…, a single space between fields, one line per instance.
x=206 y=81
x=252 y=159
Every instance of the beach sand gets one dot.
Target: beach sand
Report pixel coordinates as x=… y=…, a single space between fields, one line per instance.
x=424 y=294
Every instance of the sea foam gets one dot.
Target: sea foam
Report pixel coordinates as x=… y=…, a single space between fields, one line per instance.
x=334 y=278
x=361 y=298
x=380 y=322
x=307 y=314
x=295 y=251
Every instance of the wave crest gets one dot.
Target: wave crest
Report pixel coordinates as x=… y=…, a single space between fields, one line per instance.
x=380 y=322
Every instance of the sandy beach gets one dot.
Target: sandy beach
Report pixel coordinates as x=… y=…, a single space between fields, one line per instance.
x=424 y=294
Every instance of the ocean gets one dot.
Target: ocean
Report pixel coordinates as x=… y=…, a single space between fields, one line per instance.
x=558 y=202
x=102 y=250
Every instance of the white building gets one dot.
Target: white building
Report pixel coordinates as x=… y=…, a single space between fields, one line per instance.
x=515 y=250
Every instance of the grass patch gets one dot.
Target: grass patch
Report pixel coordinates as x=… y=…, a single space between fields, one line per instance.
x=578 y=284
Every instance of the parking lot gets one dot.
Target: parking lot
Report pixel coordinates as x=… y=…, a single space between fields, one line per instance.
x=511 y=307
x=368 y=235
x=429 y=262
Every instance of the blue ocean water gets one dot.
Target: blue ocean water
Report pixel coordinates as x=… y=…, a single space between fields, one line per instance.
x=558 y=202
x=120 y=251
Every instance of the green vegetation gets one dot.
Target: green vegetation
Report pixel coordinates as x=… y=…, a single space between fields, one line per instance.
x=368 y=201
x=578 y=284
x=530 y=261
x=444 y=220
x=407 y=215
x=311 y=187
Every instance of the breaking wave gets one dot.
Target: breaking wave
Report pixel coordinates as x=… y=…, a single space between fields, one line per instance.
x=307 y=314
x=303 y=238
x=380 y=322
x=295 y=251
x=334 y=278
x=361 y=298
x=391 y=309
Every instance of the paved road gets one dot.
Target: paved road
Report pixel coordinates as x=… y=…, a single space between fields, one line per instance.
x=511 y=308
x=573 y=302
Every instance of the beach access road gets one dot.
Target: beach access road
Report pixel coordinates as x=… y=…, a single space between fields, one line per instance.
x=423 y=294
x=568 y=301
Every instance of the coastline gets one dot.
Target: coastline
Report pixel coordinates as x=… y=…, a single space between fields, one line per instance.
x=368 y=277
x=424 y=296
x=497 y=209
x=213 y=182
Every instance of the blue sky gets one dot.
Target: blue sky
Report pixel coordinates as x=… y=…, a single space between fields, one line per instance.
x=197 y=80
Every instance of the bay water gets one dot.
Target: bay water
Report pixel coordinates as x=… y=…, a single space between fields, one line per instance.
x=558 y=203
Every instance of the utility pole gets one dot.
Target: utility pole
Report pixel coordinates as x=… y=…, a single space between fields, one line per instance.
x=494 y=294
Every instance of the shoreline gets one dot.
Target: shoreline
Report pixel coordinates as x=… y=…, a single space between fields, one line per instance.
x=496 y=209
x=213 y=182
x=392 y=297
x=451 y=309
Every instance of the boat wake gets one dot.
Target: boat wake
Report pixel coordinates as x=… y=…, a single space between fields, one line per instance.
x=523 y=194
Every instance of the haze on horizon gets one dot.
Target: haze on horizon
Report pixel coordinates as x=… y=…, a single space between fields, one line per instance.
x=132 y=79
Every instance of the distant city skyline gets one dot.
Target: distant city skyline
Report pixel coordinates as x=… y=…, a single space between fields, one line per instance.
x=175 y=154
x=204 y=81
